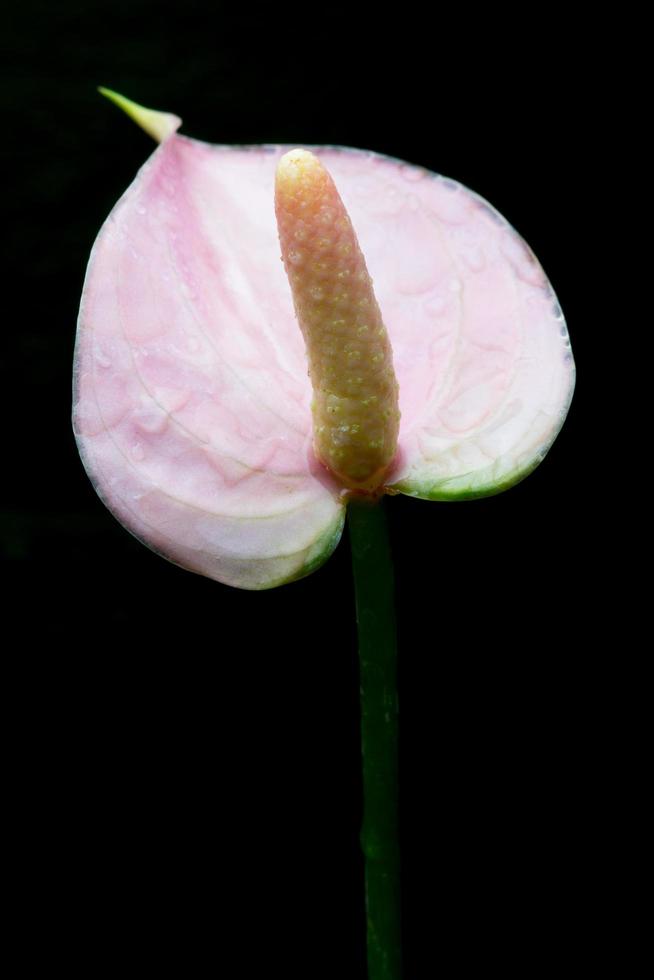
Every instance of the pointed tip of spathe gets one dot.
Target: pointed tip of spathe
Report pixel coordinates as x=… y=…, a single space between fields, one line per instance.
x=158 y=125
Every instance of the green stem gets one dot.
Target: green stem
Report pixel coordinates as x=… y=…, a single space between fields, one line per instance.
x=373 y=583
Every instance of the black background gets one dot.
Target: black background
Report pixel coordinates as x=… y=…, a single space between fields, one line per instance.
x=186 y=755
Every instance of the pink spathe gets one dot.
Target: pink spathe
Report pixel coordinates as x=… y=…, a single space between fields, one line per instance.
x=192 y=397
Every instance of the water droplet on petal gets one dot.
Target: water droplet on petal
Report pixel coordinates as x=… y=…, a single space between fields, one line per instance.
x=412 y=173
x=393 y=200
x=474 y=258
x=151 y=419
x=101 y=358
x=435 y=306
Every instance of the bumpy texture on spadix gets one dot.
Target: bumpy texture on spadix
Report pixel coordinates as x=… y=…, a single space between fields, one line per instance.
x=355 y=392
x=192 y=404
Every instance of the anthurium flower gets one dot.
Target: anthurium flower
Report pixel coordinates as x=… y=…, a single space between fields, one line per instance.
x=440 y=363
